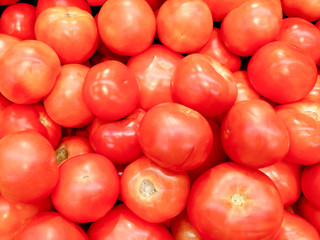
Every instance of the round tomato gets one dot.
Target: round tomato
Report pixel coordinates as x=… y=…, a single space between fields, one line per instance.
x=175 y=136
x=154 y=193
x=230 y=202
x=70 y=31
x=306 y=9
x=32 y=173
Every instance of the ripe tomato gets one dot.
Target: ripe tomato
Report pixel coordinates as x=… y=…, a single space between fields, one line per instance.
x=253 y=135
x=18 y=20
x=187 y=134
x=244 y=87
x=309 y=212
x=309 y=183
x=302 y=121
x=50 y=226
x=245 y=200
x=117 y=140
x=8 y=2
x=154 y=69
x=32 y=173
x=121 y=223
x=306 y=9
x=70 y=31
x=127 y=27
x=110 y=90
x=154 y=193
x=203 y=84
x=65 y=104
x=6 y=41
x=28 y=71
x=92 y=182
x=177 y=29
x=282 y=73
x=314 y=94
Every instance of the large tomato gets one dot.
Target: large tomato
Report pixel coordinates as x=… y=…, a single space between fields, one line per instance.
x=306 y=9
x=175 y=136
x=232 y=202
x=314 y=94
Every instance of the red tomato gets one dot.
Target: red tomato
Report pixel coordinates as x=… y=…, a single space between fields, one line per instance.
x=302 y=120
x=121 y=223
x=295 y=227
x=32 y=173
x=127 y=27
x=154 y=69
x=65 y=103
x=8 y=2
x=253 y=135
x=177 y=28
x=314 y=94
x=309 y=183
x=175 y=136
x=262 y=24
x=154 y=193
x=306 y=9
x=50 y=226
x=245 y=200
x=44 y=4
x=110 y=90
x=286 y=177
x=244 y=87
x=6 y=42
x=91 y=182
x=18 y=20
x=203 y=84
x=309 y=212
x=70 y=31
x=216 y=48
x=281 y=72
x=28 y=71
x=117 y=140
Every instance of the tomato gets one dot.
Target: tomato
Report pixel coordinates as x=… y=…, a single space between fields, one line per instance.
x=306 y=9
x=92 y=182
x=216 y=48
x=110 y=90
x=203 y=84
x=6 y=41
x=32 y=173
x=314 y=94
x=154 y=69
x=28 y=71
x=244 y=87
x=70 y=31
x=65 y=103
x=245 y=200
x=18 y=20
x=8 y=2
x=182 y=229
x=262 y=24
x=309 y=212
x=70 y=146
x=154 y=193
x=121 y=223
x=282 y=73
x=117 y=140
x=127 y=27
x=177 y=29
x=309 y=183
x=187 y=134
x=295 y=227
x=50 y=226
x=303 y=124
x=286 y=177
x=253 y=135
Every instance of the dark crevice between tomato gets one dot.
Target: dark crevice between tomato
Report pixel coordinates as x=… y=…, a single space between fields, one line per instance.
x=147 y=189
x=238 y=199
x=61 y=155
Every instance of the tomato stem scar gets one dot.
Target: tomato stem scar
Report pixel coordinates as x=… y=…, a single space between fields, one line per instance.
x=146 y=188
x=238 y=199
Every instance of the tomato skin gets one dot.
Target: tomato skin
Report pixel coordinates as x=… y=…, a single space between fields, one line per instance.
x=18 y=20
x=8 y=2
x=154 y=193
x=244 y=199
x=6 y=41
x=33 y=160
x=254 y=35
x=110 y=90
x=127 y=27
x=50 y=222
x=154 y=69
x=70 y=31
x=244 y=87
x=281 y=72
x=309 y=183
x=178 y=31
x=184 y=150
x=121 y=222
x=28 y=71
x=296 y=227
x=65 y=103
x=117 y=140
x=253 y=135
x=309 y=212
x=314 y=94
x=306 y=9
x=286 y=177
x=302 y=123
x=92 y=181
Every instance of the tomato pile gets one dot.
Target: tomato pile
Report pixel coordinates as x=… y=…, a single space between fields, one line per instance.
x=159 y=120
